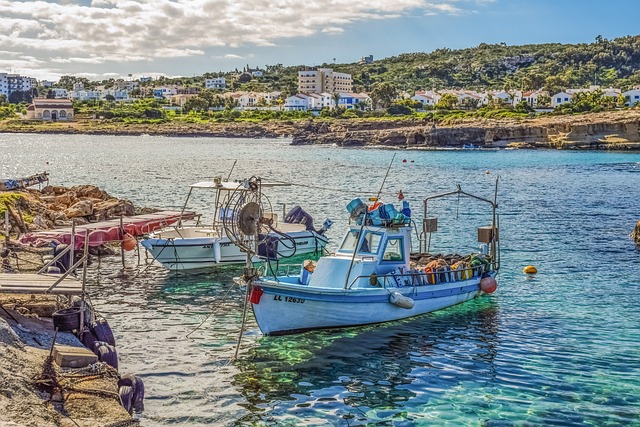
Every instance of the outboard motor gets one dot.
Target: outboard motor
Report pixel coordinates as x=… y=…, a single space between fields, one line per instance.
x=297 y=215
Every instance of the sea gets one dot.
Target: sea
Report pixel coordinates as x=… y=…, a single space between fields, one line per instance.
x=559 y=348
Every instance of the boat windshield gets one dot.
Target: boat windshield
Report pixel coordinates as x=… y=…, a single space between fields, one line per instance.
x=350 y=241
x=370 y=243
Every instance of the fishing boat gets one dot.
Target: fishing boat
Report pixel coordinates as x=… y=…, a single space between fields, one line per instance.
x=371 y=278
x=186 y=247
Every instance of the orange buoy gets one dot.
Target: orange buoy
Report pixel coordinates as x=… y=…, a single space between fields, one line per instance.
x=529 y=269
x=488 y=285
x=129 y=242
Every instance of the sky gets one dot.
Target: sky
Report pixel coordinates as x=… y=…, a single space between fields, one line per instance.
x=101 y=39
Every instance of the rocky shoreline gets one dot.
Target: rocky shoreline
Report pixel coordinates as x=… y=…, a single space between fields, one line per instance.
x=610 y=131
x=33 y=390
x=616 y=130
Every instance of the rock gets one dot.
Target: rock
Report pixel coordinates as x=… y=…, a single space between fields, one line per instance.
x=635 y=235
x=82 y=208
x=54 y=190
x=112 y=208
x=89 y=191
x=66 y=200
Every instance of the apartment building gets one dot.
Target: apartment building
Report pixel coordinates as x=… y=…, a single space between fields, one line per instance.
x=324 y=80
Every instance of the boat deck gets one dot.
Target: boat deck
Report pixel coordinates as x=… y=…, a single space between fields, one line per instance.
x=31 y=283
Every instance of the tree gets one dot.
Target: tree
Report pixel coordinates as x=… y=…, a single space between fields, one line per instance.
x=383 y=94
x=336 y=99
x=447 y=101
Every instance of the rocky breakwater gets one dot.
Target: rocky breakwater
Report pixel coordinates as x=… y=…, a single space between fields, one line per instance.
x=56 y=206
x=613 y=130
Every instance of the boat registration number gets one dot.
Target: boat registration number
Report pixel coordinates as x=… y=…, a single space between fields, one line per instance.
x=288 y=299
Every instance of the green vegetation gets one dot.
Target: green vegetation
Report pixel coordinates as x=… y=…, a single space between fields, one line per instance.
x=554 y=67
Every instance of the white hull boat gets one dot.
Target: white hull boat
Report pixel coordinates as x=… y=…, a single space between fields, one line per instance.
x=200 y=246
x=370 y=278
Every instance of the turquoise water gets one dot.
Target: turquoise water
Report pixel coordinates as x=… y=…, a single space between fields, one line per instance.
x=560 y=348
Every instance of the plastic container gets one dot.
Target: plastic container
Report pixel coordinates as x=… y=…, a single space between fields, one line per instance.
x=356 y=207
x=67 y=319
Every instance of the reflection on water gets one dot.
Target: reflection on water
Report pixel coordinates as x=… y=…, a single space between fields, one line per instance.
x=365 y=375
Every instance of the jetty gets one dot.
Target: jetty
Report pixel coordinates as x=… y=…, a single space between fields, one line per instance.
x=110 y=231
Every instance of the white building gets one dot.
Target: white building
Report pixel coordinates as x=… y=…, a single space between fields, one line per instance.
x=632 y=97
x=561 y=98
x=297 y=102
x=217 y=83
x=59 y=93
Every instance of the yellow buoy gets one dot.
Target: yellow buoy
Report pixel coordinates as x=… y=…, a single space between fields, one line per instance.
x=530 y=269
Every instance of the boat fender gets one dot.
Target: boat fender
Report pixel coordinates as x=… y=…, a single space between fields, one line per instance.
x=373 y=279
x=107 y=354
x=216 y=251
x=103 y=332
x=126 y=395
x=397 y=299
x=88 y=339
x=488 y=285
x=129 y=242
x=137 y=386
x=256 y=294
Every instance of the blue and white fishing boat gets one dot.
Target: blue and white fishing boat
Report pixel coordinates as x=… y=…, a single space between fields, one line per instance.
x=187 y=247
x=371 y=278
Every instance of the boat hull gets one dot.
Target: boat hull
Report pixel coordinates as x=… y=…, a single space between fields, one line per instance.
x=285 y=309
x=201 y=252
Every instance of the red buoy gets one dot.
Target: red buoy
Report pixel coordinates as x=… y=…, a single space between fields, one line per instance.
x=129 y=242
x=488 y=285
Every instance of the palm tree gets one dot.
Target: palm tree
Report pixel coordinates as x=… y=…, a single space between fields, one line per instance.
x=336 y=99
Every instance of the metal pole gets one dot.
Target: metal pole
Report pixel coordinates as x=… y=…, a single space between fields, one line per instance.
x=121 y=239
x=73 y=243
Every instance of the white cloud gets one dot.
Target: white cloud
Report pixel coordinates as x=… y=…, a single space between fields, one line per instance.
x=101 y=31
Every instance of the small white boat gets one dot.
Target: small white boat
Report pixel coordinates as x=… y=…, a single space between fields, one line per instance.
x=370 y=278
x=204 y=246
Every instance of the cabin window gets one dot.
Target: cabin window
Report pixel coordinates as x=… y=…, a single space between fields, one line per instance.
x=350 y=241
x=370 y=243
x=393 y=252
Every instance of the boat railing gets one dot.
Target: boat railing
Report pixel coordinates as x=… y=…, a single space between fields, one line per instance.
x=420 y=277
x=267 y=270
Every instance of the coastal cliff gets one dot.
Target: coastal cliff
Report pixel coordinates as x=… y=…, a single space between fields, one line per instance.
x=611 y=131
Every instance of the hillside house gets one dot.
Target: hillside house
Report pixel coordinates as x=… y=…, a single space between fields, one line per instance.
x=50 y=109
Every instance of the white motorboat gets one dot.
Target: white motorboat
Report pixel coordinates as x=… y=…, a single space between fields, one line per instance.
x=204 y=246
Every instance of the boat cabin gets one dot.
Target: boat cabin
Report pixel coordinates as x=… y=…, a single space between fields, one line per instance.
x=363 y=252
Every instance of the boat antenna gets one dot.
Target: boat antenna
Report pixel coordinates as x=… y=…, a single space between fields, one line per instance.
x=231 y=171
x=385 y=176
